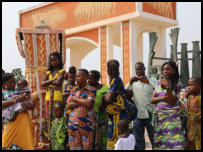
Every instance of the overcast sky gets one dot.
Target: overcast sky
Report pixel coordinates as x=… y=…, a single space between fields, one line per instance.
x=188 y=15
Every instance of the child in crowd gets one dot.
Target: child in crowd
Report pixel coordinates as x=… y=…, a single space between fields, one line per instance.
x=22 y=86
x=125 y=141
x=70 y=83
x=10 y=112
x=182 y=103
x=129 y=96
x=129 y=93
x=193 y=109
x=59 y=130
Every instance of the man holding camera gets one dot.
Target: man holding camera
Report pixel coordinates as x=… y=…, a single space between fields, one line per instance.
x=143 y=89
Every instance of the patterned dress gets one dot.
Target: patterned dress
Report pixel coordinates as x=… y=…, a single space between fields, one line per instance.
x=81 y=121
x=167 y=123
x=59 y=134
x=182 y=103
x=193 y=126
x=20 y=131
x=100 y=133
x=116 y=86
x=9 y=112
x=53 y=94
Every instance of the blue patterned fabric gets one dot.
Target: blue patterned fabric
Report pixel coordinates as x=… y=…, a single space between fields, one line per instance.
x=117 y=87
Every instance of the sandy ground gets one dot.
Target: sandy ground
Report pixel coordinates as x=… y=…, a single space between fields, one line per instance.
x=148 y=145
x=147 y=142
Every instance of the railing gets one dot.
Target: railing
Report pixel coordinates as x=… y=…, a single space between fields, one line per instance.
x=155 y=70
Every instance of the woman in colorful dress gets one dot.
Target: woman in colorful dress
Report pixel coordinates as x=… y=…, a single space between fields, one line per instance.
x=166 y=119
x=18 y=131
x=118 y=107
x=100 y=132
x=53 y=80
x=81 y=119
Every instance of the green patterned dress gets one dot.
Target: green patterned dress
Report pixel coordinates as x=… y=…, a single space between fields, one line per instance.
x=100 y=132
x=59 y=134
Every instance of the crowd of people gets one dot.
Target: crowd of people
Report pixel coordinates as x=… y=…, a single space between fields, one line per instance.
x=83 y=114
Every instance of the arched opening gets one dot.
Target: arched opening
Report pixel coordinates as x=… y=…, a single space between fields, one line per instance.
x=146 y=50
x=67 y=59
x=77 y=50
x=91 y=61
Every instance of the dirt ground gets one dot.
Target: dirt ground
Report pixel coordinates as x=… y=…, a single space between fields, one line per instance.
x=147 y=142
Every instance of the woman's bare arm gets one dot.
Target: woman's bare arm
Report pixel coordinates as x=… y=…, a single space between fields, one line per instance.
x=171 y=98
x=47 y=82
x=6 y=104
x=109 y=97
x=83 y=102
x=59 y=80
x=64 y=94
x=72 y=105
x=155 y=100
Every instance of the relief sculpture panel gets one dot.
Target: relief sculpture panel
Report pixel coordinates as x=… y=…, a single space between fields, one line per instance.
x=63 y=15
x=52 y=16
x=90 y=10
x=166 y=9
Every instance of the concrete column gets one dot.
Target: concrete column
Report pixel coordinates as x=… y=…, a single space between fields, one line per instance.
x=163 y=41
x=109 y=42
x=125 y=40
x=121 y=44
x=140 y=47
x=103 y=53
x=133 y=46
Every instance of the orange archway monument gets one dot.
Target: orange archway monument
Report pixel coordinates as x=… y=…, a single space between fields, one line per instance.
x=89 y=25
